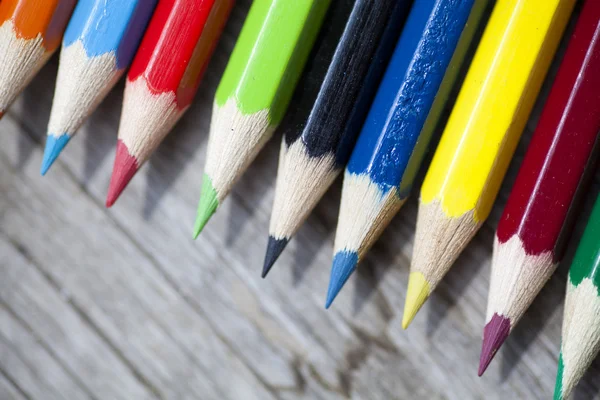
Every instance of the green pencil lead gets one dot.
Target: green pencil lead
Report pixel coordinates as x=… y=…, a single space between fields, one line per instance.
x=558 y=389
x=207 y=206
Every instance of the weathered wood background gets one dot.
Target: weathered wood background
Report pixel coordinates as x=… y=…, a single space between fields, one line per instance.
x=122 y=304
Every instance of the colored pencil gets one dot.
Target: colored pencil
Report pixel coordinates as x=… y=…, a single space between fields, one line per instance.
x=163 y=80
x=529 y=241
x=337 y=89
x=581 y=323
x=99 y=44
x=386 y=151
x=477 y=145
x=30 y=32
x=255 y=90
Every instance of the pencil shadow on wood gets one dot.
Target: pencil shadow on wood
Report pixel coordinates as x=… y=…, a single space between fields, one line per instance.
x=382 y=257
x=25 y=149
x=370 y=273
x=589 y=387
x=467 y=266
x=176 y=151
x=191 y=133
x=32 y=104
x=322 y=224
x=369 y=277
x=550 y=298
x=104 y=119
x=250 y=189
x=532 y=324
x=457 y=280
x=454 y=284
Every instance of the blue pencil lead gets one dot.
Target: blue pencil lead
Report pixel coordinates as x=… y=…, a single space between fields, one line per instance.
x=54 y=146
x=344 y=264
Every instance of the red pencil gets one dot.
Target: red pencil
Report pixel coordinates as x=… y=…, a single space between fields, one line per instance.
x=164 y=79
x=531 y=234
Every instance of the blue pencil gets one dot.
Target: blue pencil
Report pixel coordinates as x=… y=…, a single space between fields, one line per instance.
x=99 y=44
x=399 y=126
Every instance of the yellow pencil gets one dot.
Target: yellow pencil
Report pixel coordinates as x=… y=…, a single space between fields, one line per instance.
x=483 y=130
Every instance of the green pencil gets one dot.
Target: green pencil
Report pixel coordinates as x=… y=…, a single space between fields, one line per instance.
x=255 y=91
x=581 y=324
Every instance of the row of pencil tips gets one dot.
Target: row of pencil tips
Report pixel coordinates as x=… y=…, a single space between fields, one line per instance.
x=364 y=95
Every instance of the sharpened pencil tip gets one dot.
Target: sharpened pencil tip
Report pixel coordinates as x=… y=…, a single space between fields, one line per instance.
x=494 y=334
x=124 y=169
x=274 y=249
x=417 y=294
x=207 y=206
x=344 y=264
x=558 y=388
x=54 y=146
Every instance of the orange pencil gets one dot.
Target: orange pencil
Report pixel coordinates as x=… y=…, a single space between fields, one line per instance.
x=30 y=32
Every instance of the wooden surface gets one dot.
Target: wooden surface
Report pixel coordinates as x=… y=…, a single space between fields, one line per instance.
x=122 y=304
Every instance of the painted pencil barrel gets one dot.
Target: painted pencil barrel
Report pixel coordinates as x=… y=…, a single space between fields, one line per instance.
x=99 y=44
x=164 y=79
x=485 y=125
x=536 y=222
x=506 y=75
x=330 y=106
x=30 y=32
x=255 y=91
x=269 y=56
x=561 y=146
x=581 y=324
x=389 y=137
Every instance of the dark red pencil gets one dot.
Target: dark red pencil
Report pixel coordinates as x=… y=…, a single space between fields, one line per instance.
x=531 y=234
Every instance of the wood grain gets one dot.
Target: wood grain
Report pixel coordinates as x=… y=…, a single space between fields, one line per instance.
x=136 y=300
x=48 y=313
x=9 y=391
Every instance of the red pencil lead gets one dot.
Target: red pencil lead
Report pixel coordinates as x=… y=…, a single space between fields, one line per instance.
x=124 y=169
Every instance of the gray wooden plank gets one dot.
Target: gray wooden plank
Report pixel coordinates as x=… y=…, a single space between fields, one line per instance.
x=181 y=263
x=30 y=366
x=274 y=361
x=381 y=360
x=279 y=372
x=58 y=326
x=8 y=390
x=111 y=282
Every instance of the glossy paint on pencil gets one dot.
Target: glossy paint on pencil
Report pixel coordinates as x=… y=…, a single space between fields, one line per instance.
x=99 y=43
x=109 y=27
x=330 y=106
x=481 y=135
x=255 y=91
x=555 y=172
x=556 y=158
x=164 y=79
x=259 y=79
x=30 y=32
x=389 y=136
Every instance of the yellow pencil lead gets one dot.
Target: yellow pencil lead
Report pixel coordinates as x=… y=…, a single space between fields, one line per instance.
x=417 y=294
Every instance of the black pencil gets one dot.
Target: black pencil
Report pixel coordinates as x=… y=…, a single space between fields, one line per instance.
x=330 y=106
